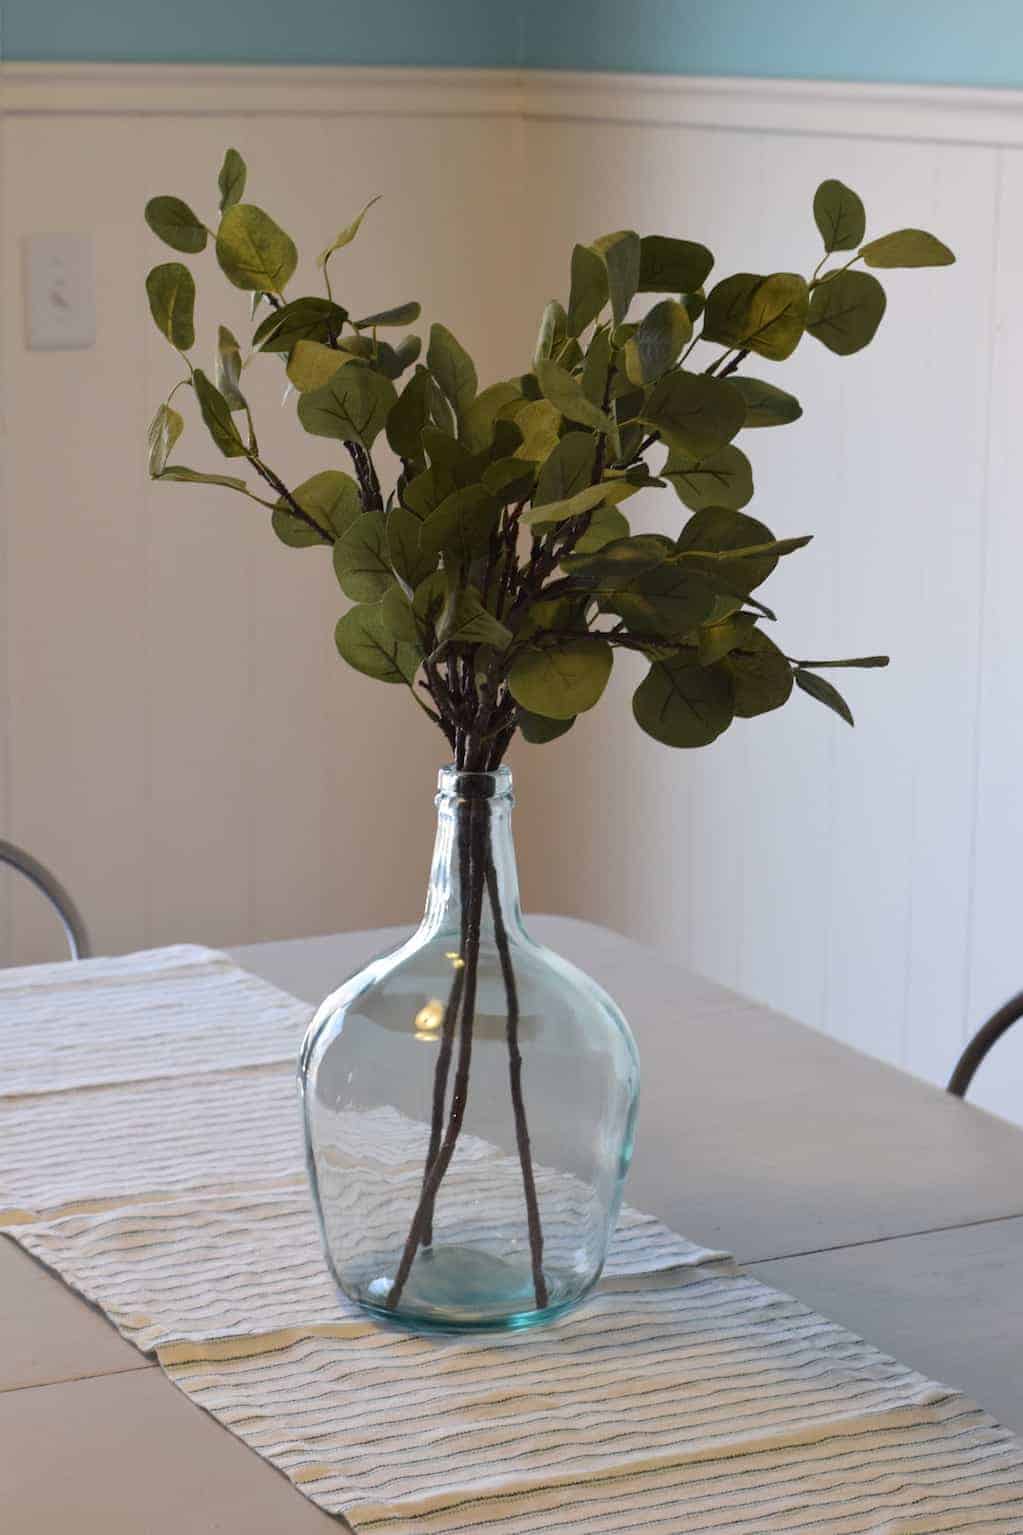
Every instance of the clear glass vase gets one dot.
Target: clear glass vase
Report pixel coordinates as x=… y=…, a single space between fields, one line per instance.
x=469 y=1101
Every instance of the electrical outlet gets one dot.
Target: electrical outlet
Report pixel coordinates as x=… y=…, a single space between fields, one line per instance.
x=60 y=300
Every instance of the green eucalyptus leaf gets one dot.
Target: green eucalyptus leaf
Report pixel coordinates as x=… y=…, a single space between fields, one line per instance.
x=596 y=365
x=164 y=430
x=304 y=319
x=216 y=414
x=824 y=693
x=620 y=253
x=408 y=561
x=667 y=265
x=723 y=478
x=196 y=477
x=462 y=526
x=539 y=422
x=669 y=600
x=467 y=622
x=352 y=407
x=568 y=470
x=400 y=314
x=761 y=675
x=361 y=561
x=433 y=597
x=860 y=662
x=565 y=393
x=397 y=616
x=839 y=215
x=563 y=681
x=408 y=416
x=509 y=479
x=453 y=369
x=393 y=360
x=727 y=308
x=231 y=180
x=330 y=498
x=553 y=332
x=775 y=317
x=229 y=368
x=907 y=248
x=681 y=703
x=170 y=289
x=589 y=292
x=480 y=420
x=693 y=413
x=657 y=342
x=538 y=731
x=606 y=525
x=845 y=311
x=176 y=225
x=615 y=565
x=585 y=500
x=717 y=530
x=347 y=234
x=311 y=365
x=364 y=641
x=766 y=404
x=719 y=636
x=254 y=253
x=441 y=413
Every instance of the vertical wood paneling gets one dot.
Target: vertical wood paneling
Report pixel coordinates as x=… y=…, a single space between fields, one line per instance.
x=996 y=874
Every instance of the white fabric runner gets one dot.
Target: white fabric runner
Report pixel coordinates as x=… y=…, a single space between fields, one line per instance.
x=150 y=1153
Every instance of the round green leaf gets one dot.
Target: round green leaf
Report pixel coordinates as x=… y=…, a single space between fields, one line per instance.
x=766 y=404
x=560 y=683
x=657 y=342
x=304 y=319
x=667 y=265
x=408 y=561
x=452 y=368
x=255 y=253
x=400 y=314
x=360 y=559
x=776 y=316
x=825 y=693
x=907 y=247
x=695 y=414
x=170 y=289
x=480 y=420
x=589 y=291
x=838 y=214
x=216 y=414
x=538 y=421
x=164 y=430
x=312 y=365
x=364 y=642
x=565 y=393
x=761 y=675
x=683 y=704
x=567 y=470
x=538 y=731
x=352 y=407
x=176 y=224
x=845 y=311
x=667 y=601
x=724 y=478
x=605 y=526
x=231 y=180
x=461 y=527
x=330 y=498
x=620 y=253
x=397 y=617
x=229 y=368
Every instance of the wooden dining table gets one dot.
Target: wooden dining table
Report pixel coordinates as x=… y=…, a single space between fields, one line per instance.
x=874 y=1197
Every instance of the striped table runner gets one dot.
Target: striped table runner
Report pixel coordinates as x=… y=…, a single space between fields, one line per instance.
x=150 y=1153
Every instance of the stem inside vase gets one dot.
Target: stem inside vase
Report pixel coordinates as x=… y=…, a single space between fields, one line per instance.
x=477 y=875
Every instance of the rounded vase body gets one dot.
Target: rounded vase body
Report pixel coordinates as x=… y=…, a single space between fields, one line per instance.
x=469 y=1101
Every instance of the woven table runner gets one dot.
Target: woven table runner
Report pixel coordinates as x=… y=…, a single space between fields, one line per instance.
x=151 y=1154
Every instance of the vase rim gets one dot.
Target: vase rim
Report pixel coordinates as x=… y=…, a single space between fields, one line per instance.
x=453 y=783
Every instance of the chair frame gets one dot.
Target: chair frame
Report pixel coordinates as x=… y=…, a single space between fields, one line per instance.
x=998 y=1024
x=40 y=876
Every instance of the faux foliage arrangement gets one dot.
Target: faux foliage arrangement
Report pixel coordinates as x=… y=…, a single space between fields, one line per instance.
x=499 y=575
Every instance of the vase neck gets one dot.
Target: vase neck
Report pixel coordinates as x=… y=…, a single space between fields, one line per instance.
x=473 y=826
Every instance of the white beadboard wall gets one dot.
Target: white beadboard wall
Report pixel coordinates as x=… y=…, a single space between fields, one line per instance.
x=180 y=741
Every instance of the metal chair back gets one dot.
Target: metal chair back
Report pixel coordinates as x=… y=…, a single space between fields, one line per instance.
x=997 y=1025
x=53 y=890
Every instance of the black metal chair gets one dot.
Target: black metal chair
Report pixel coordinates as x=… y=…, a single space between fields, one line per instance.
x=980 y=1044
x=53 y=890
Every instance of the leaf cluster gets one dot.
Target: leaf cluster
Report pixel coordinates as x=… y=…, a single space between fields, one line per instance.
x=499 y=575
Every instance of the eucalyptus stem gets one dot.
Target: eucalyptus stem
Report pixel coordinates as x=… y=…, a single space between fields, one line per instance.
x=515 y=1080
x=460 y=1091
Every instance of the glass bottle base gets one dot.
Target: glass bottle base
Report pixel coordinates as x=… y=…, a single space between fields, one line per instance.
x=460 y=1289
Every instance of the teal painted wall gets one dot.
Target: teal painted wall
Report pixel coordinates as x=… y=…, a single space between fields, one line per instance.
x=931 y=41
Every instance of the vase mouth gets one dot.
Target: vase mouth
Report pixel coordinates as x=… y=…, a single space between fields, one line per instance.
x=453 y=784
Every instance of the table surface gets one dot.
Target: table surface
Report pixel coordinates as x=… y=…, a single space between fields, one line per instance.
x=874 y=1197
